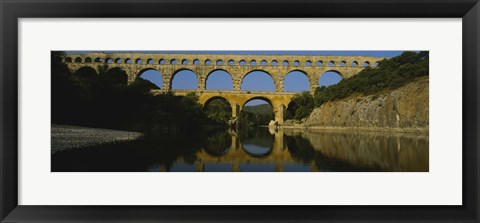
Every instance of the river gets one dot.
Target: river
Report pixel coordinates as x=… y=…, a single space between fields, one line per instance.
x=255 y=150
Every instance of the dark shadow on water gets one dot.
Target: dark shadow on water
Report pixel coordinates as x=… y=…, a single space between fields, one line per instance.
x=254 y=150
x=218 y=144
x=134 y=156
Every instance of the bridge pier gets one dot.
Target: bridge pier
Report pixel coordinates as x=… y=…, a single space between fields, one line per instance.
x=279 y=167
x=313 y=88
x=278 y=143
x=199 y=167
x=166 y=82
x=236 y=167
x=202 y=83
x=279 y=113
x=235 y=144
x=237 y=81
x=132 y=76
x=235 y=110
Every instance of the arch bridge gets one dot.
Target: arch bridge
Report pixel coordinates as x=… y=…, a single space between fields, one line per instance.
x=237 y=65
x=237 y=100
x=279 y=155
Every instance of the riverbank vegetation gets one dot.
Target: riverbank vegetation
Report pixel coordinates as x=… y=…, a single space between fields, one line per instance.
x=300 y=107
x=104 y=100
x=389 y=74
x=257 y=115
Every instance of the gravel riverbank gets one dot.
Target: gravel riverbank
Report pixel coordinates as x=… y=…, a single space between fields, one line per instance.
x=66 y=137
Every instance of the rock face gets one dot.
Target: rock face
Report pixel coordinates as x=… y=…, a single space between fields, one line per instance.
x=402 y=109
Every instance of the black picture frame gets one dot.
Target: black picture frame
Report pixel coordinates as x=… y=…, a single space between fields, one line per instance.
x=12 y=10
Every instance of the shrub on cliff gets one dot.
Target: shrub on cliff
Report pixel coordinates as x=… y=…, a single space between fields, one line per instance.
x=390 y=74
x=300 y=107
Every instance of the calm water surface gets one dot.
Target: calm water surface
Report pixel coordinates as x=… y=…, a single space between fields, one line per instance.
x=255 y=150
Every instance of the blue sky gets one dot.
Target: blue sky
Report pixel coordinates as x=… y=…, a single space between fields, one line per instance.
x=257 y=81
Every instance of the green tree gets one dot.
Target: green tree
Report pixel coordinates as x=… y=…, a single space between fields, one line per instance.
x=301 y=106
x=103 y=99
x=390 y=74
x=219 y=110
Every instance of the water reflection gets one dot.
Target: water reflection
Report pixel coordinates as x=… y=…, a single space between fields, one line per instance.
x=255 y=150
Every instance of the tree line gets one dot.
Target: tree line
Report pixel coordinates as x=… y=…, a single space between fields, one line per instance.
x=390 y=73
x=105 y=100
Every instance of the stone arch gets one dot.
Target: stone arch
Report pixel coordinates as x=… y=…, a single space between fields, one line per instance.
x=139 y=73
x=208 y=62
x=260 y=98
x=242 y=63
x=162 y=61
x=308 y=63
x=98 y=60
x=296 y=63
x=180 y=70
x=329 y=71
x=269 y=101
x=253 y=63
x=122 y=78
x=68 y=59
x=220 y=109
x=150 y=61
x=264 y=63
x=78 y=60
x=274 y=63
x=231 y=62
x=215 y=70
x=138 y=61
x=354 y=63
x=309 y=81
x=216 y=97
x=173 y=61
x=335 y=71
x=285 y=63
x=88 y=60
x=196 y=62
x=319 y=63
x=366 y=63
x=184 y=61
x=151 y=79
x=217 y=145
x=259 y=70
x=343 y=63
x=86 y=72
x=109 y=60
x=255 y=151
x=128 y=61
x=118 y=60
x=219 y=62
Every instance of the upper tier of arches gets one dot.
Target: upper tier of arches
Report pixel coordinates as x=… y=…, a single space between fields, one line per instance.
x=223 y=59
x=278 y=67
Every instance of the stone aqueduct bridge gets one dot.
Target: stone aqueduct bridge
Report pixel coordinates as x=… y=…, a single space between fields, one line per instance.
x=237 y=99
x=236 y=155
x=238 y=66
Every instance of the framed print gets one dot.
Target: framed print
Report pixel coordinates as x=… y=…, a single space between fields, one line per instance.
x=231 y=111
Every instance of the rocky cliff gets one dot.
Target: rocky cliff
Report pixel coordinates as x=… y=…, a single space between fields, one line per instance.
x=403 y=109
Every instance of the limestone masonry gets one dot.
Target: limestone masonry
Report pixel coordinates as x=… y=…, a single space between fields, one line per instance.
x=238 y=66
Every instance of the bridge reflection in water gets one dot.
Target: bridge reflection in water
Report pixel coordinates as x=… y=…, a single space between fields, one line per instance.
x=257 y=150
x=309 y=150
